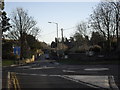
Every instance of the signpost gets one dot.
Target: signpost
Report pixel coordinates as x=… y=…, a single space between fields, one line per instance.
x=16 y=51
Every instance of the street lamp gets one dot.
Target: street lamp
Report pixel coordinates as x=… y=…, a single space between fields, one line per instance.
x=57 y=33
x=56 y=27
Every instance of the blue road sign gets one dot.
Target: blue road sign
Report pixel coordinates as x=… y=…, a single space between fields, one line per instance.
x=16 y=50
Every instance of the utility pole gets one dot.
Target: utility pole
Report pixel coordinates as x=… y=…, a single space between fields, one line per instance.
x=62 y=34
x=57 y=40
x=62 y=41
x=21 y=39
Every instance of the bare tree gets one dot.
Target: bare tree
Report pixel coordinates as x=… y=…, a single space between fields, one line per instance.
x=105 y=19
x=82 y=28
x=80 y=35
x=22 y=23
x=116 y=9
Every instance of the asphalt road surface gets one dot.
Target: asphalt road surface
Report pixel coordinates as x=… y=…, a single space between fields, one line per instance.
x=50 y=74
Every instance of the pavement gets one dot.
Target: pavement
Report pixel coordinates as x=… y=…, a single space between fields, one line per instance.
x=50 y=74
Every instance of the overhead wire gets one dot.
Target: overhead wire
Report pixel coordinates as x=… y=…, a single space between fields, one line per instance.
x=69 y=28
x=59 y=29
x=49 y=33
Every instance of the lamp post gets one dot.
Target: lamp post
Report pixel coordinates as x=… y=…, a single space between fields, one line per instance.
x=57 y=33
x=56 y=27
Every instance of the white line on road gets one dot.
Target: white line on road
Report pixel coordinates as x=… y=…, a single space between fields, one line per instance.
x=67 y=71
x=43 y=68
x=37 y=74
x=78 y=81
x=32 y=74
x=8 y=83
x=96 y=69
x=112 y=83
x=100 y=81
x=24 y=67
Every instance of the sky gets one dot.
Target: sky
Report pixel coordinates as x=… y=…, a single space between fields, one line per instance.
x=66 y=14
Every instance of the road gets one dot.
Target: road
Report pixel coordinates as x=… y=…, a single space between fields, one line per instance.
x=50 y=74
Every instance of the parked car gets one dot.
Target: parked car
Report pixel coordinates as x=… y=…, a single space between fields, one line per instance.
x=47 y=56
x=89 y=53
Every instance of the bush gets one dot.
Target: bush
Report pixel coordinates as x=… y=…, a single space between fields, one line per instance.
x=10 y=56
x=66 y=52
x=95 y=48
x=79 y=51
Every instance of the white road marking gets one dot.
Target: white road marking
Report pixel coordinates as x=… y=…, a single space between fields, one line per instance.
x=9 y=82
x=67 y=71
x=29 y=67
x=100 y=81
x=37 y=74
x=55 y=75
x=78 y=81
x=13 y=65
x=112 y=83
x=96 y=69
x=23 y=73
x=43 y=68
x=32 y=74
x=24 y=67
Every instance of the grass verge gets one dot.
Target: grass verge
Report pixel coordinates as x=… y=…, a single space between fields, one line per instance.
x=7 y=62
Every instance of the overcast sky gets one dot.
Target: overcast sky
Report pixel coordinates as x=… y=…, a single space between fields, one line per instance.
x=66 y=14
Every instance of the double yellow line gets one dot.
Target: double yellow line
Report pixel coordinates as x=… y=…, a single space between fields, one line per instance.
x=13 y=81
